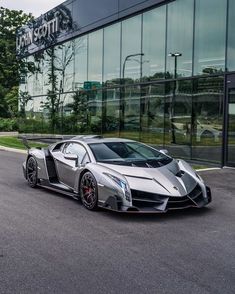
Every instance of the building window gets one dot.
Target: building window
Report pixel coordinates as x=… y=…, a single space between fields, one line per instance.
x=111 y=112
x=130 y=112
x=178 y=111
x=131 y=45
x=80 y=49
x=65 y=66
x=154 y=32
x=152 y=114
x=207 y=118
x=210 y=32
x=95 y=54
x=112 y=36
x=180 y=37
x=231 y=36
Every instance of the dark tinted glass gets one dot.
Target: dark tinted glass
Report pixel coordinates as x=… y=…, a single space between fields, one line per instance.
x=152 y=114
x=111 y=112
x=178 y=111
x=124 y=4
x=231 y=36
x=129 y=152
x=74 y=148
x=94 y=110
x=76 y=114
x=66 y=66
x=112 y=38
x=154 y=30
x=180 y=36
x=80 y=49
x=207 y=118
x=89 y=12
x=210 y=33
x=131 y=45
x=231 y=128
x=95 y=53
x=67 y=115
x=62 y=57
x=35 y=116
x=130 y=112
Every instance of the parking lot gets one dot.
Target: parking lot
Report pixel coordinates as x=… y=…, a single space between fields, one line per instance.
x=51 y=244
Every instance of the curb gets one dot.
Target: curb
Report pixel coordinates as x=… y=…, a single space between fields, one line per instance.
x=9 y=134
x=208 y=169
x=3 y=148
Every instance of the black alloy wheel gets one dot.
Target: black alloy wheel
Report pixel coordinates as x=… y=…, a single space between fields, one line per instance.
x=88 y=191
x=32 y=172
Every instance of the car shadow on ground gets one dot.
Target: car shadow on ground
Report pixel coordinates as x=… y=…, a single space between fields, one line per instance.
x=137 y=216
x=156 y=216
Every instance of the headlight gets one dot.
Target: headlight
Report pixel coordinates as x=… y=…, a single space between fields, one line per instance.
x=122 y=184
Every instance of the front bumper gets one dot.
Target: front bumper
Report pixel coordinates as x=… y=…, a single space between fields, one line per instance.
x=150 y=202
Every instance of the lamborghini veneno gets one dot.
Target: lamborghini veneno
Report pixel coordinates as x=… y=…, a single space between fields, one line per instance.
x=117 y=174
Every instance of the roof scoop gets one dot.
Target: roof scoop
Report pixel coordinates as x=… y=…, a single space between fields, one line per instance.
x=84 y=137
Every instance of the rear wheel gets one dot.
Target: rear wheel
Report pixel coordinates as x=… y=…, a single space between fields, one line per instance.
x=89 y=191
x=32 y=172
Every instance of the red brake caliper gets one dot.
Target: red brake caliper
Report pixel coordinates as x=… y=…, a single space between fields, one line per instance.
x=87 y=190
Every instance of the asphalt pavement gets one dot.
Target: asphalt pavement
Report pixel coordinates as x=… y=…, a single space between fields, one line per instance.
x=50 y=243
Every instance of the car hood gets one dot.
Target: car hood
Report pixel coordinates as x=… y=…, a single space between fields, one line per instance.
x=166 y=180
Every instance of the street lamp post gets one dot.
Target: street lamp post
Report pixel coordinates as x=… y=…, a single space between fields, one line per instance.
x=175 y=55
x=122 y=105
x=127 y=57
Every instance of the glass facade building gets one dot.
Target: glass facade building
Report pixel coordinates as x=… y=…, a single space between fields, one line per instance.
x=160 y=72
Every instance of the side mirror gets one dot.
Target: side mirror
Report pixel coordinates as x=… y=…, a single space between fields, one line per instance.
x=72 y=157
x=164 y=151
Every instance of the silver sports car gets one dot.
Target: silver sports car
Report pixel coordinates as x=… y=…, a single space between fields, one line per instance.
x=117 y=174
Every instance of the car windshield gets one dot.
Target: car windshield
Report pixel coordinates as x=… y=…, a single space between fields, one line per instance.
x=129 y=153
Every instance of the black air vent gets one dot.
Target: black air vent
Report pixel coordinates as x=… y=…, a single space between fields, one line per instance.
x=180 y=173
x=145 y=199
x=196 y=192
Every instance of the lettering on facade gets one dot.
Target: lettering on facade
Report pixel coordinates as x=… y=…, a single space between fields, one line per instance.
x=44 y=31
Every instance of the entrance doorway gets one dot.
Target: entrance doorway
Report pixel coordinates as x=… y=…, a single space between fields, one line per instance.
x=230 y=122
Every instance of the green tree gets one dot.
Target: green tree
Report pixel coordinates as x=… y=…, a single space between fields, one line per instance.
x=3 y=105
x=10 y=20
x=58 y=60
x=11 y=99
x=79 y=106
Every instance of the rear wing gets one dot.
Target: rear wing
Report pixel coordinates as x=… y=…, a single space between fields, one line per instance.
x=25 y=142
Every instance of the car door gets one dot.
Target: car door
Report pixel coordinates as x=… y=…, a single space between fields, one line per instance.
x=67 y=168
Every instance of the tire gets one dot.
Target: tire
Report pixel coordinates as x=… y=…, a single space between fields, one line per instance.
x=32 y=172
x=89 y=191
x=207 y=134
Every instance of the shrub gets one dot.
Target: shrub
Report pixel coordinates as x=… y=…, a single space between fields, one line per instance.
x=8 y=125
x=33 y=126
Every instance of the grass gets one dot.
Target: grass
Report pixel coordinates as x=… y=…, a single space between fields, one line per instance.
x=14 y=142
x=198 y=167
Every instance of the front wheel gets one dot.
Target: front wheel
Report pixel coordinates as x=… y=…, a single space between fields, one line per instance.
x=32 y=172
x=89 y=191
